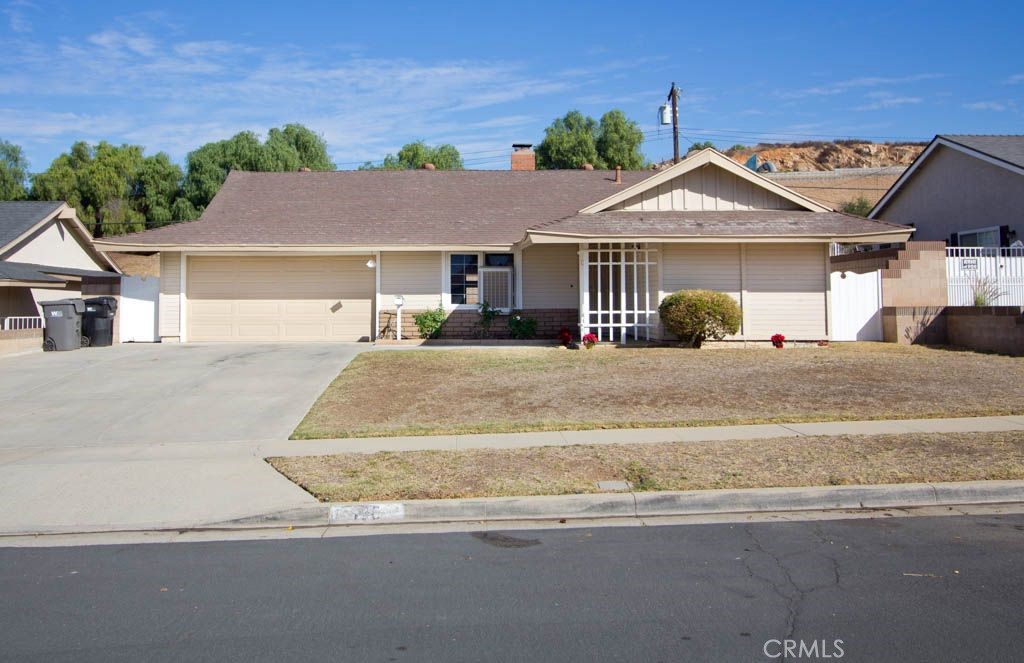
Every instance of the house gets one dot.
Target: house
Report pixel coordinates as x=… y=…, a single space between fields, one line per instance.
x=315 y=256
x=45 y=254
x=964 y=190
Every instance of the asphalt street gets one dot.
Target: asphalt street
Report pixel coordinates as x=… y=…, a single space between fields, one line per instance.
x=908 y=589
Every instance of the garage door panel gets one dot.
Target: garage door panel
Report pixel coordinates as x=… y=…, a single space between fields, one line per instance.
x=279 y=298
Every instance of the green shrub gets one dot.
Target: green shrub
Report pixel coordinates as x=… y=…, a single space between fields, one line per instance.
x=860 y=207
x=429 y=322
x=521 y=327
x=697 y=315
x=487 y=315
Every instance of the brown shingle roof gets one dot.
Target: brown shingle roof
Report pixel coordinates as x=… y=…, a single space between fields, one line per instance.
x=367 y=208
x=775 y=223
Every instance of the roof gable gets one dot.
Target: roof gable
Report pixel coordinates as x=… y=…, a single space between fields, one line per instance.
x=690 y=185
x=19 y=217
x=1003 y=151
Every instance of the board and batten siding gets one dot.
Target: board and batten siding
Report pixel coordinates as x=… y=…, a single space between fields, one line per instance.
x=786 y=286
x=416 y=275
x=780 y=287
x=170 y=295
x=706 y=189
x=550 y=276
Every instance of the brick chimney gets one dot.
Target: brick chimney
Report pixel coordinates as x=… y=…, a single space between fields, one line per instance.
x=523 y=157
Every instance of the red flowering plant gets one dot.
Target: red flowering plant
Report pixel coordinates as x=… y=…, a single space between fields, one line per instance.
x=589 y=340
x=565 y=336
x=778 y=340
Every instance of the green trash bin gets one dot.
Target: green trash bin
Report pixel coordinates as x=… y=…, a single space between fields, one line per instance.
x=62 y=322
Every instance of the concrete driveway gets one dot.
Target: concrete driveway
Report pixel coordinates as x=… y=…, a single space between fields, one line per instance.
x=151 y=394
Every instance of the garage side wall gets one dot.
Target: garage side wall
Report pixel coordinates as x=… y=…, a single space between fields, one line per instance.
x=170 y=297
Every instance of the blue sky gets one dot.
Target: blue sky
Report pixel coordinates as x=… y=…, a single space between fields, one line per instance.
x=372 y=76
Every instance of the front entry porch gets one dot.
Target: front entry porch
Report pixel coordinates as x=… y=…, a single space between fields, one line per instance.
x=619 y=292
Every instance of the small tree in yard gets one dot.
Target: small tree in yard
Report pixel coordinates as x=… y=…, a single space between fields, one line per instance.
x=697 y=315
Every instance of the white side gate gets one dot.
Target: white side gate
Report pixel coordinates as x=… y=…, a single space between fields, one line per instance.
x=856 y=306
x=971 y=269
x=138 y=310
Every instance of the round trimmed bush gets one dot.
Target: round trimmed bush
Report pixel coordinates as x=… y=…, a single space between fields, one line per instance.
x=697 y=315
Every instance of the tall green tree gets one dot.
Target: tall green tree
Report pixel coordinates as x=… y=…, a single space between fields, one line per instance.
x=115 y=189
x=618 y=141
x=13 y=172
x=286 y=149
x=578 y=139
x=569 y=142
x=414 y=155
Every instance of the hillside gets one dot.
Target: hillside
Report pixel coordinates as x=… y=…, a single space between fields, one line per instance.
x=824 y=156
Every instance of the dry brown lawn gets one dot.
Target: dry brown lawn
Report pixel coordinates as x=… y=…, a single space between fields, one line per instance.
x=419 y=392
x=799 y=461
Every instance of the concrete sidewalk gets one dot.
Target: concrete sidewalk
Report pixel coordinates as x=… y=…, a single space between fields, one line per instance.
x=185 y=484
x=638 y=435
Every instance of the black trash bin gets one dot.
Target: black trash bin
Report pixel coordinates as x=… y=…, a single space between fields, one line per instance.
x=98 y=321
x=62 y=320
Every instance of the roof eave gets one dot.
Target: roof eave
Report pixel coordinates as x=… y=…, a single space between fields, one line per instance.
x=541 y=237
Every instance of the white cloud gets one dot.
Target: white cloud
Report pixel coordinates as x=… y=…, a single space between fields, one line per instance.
x=843 y=86
x=17 y=16
x=1015 y=79
x=137 y=81
x=986 y=106
x=884 y=100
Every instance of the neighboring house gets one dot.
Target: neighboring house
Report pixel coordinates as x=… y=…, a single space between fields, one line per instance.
x=313 y=256
x=45 y=254
x=964 y=190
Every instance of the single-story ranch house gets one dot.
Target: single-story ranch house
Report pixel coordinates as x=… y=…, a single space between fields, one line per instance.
x=322 y=256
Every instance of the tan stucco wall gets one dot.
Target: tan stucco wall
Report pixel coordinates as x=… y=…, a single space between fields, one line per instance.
x=550 y=276
x=953 y=191
x=416 y=275
x=53 y=244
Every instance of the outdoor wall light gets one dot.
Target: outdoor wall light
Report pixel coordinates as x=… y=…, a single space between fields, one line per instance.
x=371 y=263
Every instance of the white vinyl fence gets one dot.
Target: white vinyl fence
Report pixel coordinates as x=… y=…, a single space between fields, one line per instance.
x=997 y=272
x=139 y=310
x=856 y=306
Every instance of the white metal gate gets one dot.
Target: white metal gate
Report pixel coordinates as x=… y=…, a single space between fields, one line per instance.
x=138 y=311
x=972 y=270
x=856 y=306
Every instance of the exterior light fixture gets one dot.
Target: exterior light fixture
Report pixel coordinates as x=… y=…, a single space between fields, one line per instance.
x=371 y=263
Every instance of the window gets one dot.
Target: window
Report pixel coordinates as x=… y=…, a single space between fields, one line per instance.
x=463 y=278
x=980 y=237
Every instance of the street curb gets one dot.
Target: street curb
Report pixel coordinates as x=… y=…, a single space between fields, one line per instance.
x=643 y=504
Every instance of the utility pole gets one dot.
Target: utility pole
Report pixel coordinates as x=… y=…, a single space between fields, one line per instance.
x=673 y=96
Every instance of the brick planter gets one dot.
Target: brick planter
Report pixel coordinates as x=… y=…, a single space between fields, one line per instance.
x=465 y=324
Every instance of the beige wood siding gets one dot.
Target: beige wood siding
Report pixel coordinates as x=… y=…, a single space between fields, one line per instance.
x=702 y=267
x=416 y=275
x=550 y=276
x=279 y=298
x=785 y=291
x=170 y=294
x=707 y=189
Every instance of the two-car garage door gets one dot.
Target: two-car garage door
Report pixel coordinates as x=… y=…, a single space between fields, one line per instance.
x=279 y=298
